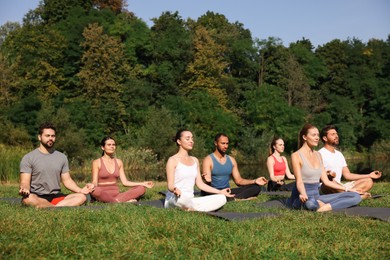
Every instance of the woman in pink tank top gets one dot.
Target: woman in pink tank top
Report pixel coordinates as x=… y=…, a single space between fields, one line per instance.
x=278 y=167
x=105 y=174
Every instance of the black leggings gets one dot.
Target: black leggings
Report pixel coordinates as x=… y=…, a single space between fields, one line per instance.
x=274 y=186
x=242 y=192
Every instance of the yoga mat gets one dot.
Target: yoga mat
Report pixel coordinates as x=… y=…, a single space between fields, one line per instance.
x=164 y=193
x=371 y=212
x=154 y=203
x=280 y=203
x=282 y=193
x=12 y=200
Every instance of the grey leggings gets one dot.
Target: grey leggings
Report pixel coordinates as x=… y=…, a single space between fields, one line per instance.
x=336 y=200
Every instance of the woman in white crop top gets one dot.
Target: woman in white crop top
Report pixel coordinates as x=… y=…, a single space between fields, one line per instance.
x=308 y=170
x=183 y=173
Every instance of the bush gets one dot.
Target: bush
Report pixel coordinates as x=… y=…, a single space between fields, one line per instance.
x=10 y=157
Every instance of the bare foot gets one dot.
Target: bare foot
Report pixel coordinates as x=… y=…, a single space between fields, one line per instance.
x=250 y=198
x=366 y=195
x=324 y=207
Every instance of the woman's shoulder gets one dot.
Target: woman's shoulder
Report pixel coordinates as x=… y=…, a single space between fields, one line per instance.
x=96 y=161
x=119 y=161
x=270 y=158
x=295 y=154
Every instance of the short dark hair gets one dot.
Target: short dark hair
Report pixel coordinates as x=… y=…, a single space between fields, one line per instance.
x=325 y=130
x=217 y=136
x=46 y=125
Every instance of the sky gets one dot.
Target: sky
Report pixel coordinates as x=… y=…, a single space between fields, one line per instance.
x=320 y=21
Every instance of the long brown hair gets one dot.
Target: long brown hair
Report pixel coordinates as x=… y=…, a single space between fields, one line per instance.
x=271 y=149
x=305 y=129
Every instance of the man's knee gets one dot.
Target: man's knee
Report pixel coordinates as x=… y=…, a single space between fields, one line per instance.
x=364 y=184
x=77 y=199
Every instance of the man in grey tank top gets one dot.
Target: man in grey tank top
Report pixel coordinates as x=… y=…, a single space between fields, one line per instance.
x=42 y=171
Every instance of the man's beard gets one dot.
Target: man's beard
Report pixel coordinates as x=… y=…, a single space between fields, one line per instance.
x=47 y=146
x=221 y=152
x=335 y=143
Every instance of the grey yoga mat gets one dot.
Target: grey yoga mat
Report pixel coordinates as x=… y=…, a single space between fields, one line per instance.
x=371 y=212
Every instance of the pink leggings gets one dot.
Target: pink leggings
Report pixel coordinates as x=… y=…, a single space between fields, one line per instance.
x=111 y=193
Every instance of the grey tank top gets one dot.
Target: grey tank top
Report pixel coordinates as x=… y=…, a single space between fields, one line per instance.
x=310 y=174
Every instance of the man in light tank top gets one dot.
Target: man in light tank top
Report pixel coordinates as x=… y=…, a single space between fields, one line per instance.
x=218 y=167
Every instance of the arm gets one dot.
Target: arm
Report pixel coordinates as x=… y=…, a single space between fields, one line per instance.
x=288 y=172
x=297 y=165
x=25 y=181
x=95 y=171
x=241 y=181
x=126 y=182
x=69 y=183
x=170 y=169
x=353 y=177
x=72 y=186
x=270 y=167
x=207 y=166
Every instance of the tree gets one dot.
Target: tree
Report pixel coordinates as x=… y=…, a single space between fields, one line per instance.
x=103 y=74
x=54 y=11
x=103 y=68
x=207 y=69
x=168 y=54
x=35 y=54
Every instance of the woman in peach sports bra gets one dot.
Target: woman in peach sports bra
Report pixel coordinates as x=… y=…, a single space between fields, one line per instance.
x=183 y=173
x=278 y=167
x=105 y=174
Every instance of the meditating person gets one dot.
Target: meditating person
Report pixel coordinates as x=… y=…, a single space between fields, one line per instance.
x=183 y=173
x=42 y=171
x=308 y=170
x=105 y=174
x=336 y=166
x=218 y=167
x=278 y=167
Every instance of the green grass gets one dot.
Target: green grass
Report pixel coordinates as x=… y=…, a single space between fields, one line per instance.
x=138 y=232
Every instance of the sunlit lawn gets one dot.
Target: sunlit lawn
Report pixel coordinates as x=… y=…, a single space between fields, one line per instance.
x=134 y=232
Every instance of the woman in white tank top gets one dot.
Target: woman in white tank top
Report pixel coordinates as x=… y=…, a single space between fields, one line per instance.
x=183 y=173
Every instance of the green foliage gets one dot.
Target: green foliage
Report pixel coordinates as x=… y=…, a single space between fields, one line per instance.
x=268 y=112
x=95 y=68
x=10 y=157
x=160 y=126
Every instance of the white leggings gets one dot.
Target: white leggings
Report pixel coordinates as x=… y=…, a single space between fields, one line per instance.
x=205 y=203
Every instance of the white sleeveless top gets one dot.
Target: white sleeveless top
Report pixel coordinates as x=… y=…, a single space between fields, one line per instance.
x=185 y=177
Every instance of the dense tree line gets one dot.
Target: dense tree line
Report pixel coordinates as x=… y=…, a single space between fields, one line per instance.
x=93 y=68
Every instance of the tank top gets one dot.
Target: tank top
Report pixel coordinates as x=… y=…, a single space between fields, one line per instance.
x=279 y=167
x=310 y=174
x=220 y=174
x=184 y=180
x=105 y=176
